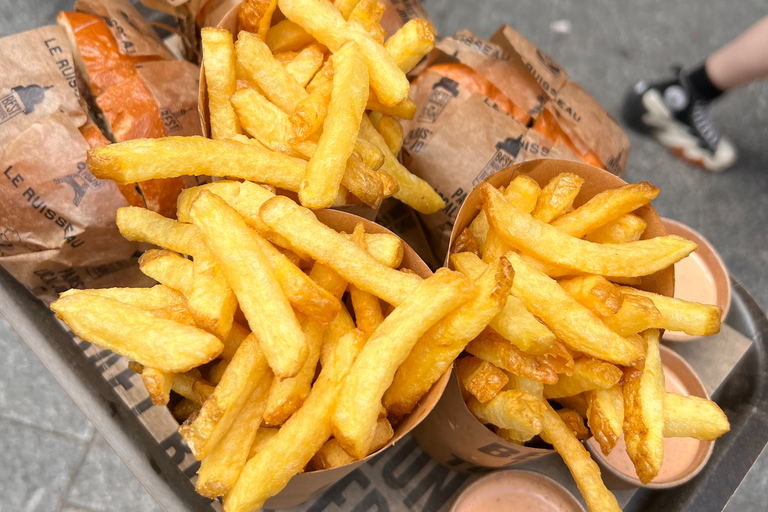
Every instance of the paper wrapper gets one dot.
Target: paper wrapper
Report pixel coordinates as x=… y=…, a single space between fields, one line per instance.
x=174 y=84
x=459 y=137
x=451 y=434
x=38 y=79
x=400 y=12
x=58 y=221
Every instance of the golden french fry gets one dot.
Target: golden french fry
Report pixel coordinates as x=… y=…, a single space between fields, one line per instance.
x=605 y=416
x=263 y=120
x=342 y=124
x=390 y=129
x=256 y=16
x=595 y=293
x=631 y=259
x=346 y=7
x=466 y=242
x=523 y=191
x=142 y=225
x=221 y=468
x=158 y=384
x=192 y=386
x=363 y=182
x=636 y=314
x=169 y=269
x=480 y=378
x=691 y=416
x=299 y=438
x=627 y=228
x=605 y=207
x=571 y=322
x=240 y=379
x=557 y=196
x=434 y=352
x=340 y=326
x=644 y=412
x=515 y=323
x=287 y=395
x=681 y=315
x=513 y=410
x=329 y=280
x=413 y=191
x=168 y=157
x=560 y=357
x=588 y=374
x=306 y=64
x=309 y=114
x=578 y=403
x=574 y=422
x=287 y=36
x=257 y=64
x=495 y=247
x=406 y=109
x=366 y=306
x=332 y=455
x=370 y=154
x=576 y=457
x=493 y=348
x=354 y=420
x=132 y=332
x=532 y=387
x=217 y=371
x=211 y=299
x=285 y=58
x=356 y=265
x=263 y=435
x=185 y=409
x=219 y=64
x=258 y=292
x=411 y=43
x=324 y=22
x=156 y=297
x=368 y=13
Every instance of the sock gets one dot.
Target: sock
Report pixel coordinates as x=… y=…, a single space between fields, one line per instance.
x=702 y=86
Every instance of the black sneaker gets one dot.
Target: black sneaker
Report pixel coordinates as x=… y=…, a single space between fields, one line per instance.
x=670 y=113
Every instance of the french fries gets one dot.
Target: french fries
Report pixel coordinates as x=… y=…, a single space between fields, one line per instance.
x=480 y=378
x=514 y=410
x=627 y=228
x=691 y=416
x=332 y=455
x=681 y=315
x=587 y=374
x=605 y=416
x=557 y=196
x=219 y=55
x=256 y=16
x=411 y=43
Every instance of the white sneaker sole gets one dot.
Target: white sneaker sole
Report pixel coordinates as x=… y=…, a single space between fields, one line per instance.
x=675 y=137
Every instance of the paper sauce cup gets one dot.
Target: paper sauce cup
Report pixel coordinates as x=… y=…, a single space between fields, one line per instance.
x=451 y=434
x=229 y=22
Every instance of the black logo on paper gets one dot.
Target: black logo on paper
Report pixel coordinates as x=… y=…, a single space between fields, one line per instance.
x=81 y=182
x=506 y=152
x=171 y=119
x=441 y=94
x=548 y=63
x=613 y=164
x=21 y=100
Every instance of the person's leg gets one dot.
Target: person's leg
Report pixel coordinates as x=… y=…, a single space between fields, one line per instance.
x=742 y=61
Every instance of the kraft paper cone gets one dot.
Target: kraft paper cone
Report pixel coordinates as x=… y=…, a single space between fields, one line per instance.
x=451 y=434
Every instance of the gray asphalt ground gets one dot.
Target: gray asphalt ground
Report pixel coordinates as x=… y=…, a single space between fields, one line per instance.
x=52 y=459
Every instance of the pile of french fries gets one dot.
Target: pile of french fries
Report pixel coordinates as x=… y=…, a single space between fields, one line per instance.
x=308 y=104
x=574 y=332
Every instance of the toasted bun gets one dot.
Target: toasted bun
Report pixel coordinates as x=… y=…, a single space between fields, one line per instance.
x=548 y=126
x=96 y=51
x=476 y=82
x=130 y=111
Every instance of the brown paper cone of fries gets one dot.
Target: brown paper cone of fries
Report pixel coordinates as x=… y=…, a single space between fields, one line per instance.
x=451 y=434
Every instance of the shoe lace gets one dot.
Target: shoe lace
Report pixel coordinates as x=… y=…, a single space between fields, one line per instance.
x=701 y=116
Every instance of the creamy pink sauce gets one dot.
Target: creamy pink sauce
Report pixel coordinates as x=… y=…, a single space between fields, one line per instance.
x=524 y=493
x=679 y=452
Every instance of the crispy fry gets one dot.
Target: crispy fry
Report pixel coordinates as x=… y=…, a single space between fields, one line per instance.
x=256 y=16
x=217 y=371
x=211 y=299
x=532 y=387
x=466 y=242
x=583 y=468
x=340 y=326
x=240 y=379
x=441 y=344
x=309 y=114
x=550 y=244
x=413 y=191
x=557 y=196
x=515 y=323
x=560 y=357
x=514 y=410
x=158 y=384
x=354 y=420
x=346 y=7
x=325 y=23
x=221 y=468
x=257 y=64
x=368 y=13
x=219 y=63
x=371 y=155
x=192 y=386
x=577 y=326
x=132 y=332
x=169 y=269
x=259 y=294
x=361 y=181
x=691 y=416
x=342 y=123
x=263 y=435
x=480 y=378
x=325 y=245
x=299 y=438
x=491 y=347
x=495 y=247
x=145 y=159
x=332 y=455
x=411 y=43
x=406 y=109
x=185 y=409
x=263 y=120
x=287 y=36
x=156 y=297
x=595 y=293
x=287 y=395
x=605 y=416
x=605 y=207
x=636 y=314
x=681 y=315
x=367 y=307
x=574 y=422
x=587 y=374
x=627 y=228
x=306 y=64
